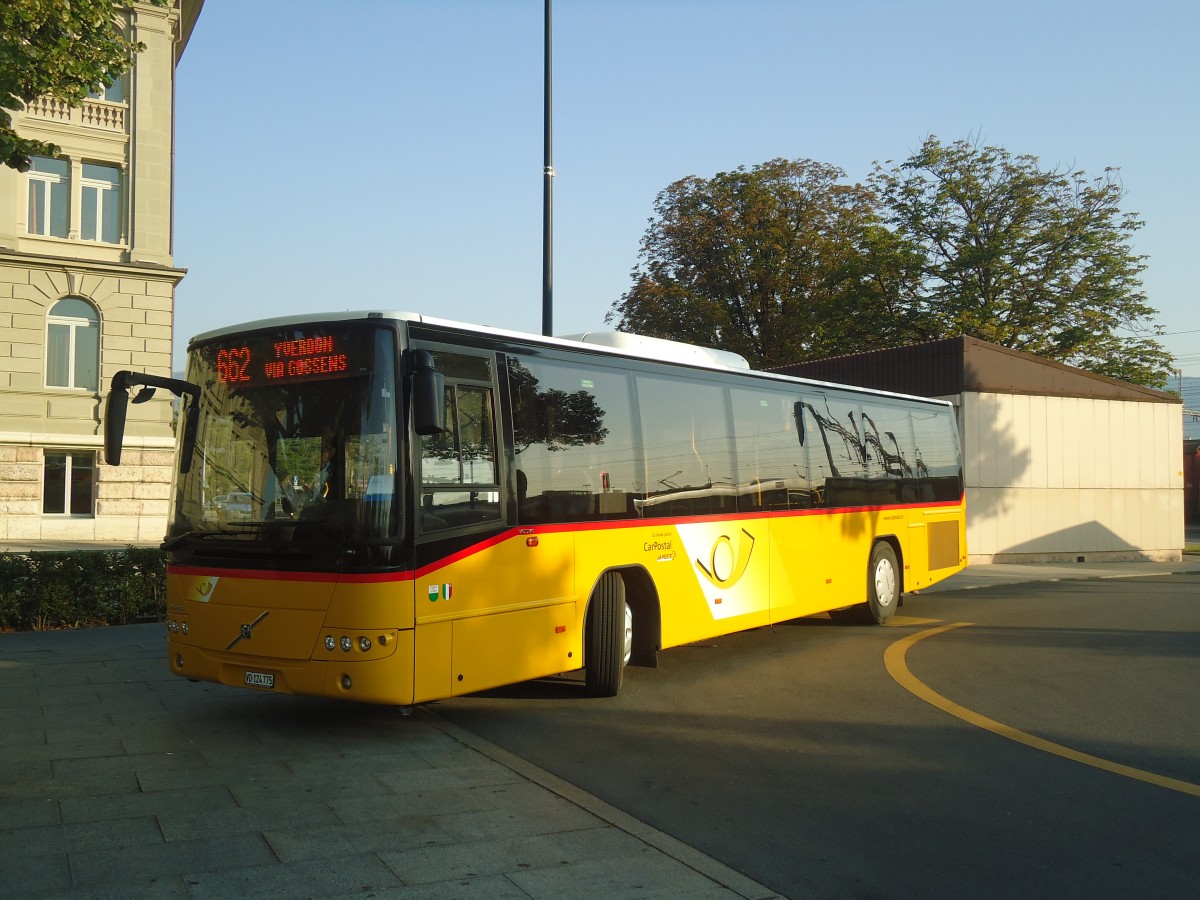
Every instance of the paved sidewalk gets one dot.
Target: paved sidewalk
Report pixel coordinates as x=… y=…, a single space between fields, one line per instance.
x=119 y=780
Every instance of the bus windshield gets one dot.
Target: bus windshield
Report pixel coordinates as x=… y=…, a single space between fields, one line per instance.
x=297 y=439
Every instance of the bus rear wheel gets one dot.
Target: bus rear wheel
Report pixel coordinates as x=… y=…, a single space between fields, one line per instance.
x=883 y=583
x=608 y=635
x=883 y=590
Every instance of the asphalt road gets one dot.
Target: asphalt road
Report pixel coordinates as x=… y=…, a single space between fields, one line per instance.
x=793 y=755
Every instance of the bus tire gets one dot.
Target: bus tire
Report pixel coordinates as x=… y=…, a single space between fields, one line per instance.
x=606 y=637
x=883 y=583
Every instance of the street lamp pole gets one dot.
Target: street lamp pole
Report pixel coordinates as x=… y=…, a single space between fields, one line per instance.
x=548 y=195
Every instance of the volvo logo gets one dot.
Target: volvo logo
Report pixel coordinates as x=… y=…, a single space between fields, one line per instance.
x=247 y=631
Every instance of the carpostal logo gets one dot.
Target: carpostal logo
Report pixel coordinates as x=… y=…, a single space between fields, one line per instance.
x=442 y=591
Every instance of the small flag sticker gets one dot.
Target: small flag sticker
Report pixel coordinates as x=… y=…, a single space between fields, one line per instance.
x=433 y=593
x=447 y=591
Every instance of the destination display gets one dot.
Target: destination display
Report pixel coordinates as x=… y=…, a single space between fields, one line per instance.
x=287 y=358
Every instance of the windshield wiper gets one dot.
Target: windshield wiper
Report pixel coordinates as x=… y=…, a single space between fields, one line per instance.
x=172 y=542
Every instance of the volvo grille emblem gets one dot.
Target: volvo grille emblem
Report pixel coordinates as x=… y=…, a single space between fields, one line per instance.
x=247 y=631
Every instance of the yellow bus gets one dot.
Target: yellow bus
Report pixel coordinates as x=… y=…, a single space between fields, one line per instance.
x=392 y=508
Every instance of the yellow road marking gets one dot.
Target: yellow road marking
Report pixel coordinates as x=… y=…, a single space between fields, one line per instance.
x=903 y=620
x=894 y=659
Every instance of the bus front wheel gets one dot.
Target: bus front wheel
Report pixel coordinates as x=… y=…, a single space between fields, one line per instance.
x=608 y=637
x=883 y=583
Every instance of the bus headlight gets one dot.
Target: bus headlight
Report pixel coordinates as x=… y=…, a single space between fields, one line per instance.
x=364 y=643
x=347 y=644
x=330 y=642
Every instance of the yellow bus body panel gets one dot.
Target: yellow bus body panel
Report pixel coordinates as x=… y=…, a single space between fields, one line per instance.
x=514 y=607
x=503 y=613
x=225 y=625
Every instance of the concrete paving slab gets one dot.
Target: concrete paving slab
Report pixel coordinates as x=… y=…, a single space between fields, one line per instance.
x=122 y=781
x=109 y=867
x=359 y=875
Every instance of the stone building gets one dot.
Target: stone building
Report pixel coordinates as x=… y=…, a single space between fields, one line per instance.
x=87 y=286
x=1060 y=465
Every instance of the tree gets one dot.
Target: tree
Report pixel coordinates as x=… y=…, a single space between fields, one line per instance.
x=785 y=262
x=990 y=245
x=764 y=262
x=56 y=48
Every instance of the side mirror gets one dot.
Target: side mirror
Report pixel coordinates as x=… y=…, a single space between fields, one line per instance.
x=428 y=395
x=798 y=414
x=115 y=408
x=117 y=405
x=190 y=409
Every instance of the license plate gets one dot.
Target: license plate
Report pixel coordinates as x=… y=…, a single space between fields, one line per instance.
x=260 y=679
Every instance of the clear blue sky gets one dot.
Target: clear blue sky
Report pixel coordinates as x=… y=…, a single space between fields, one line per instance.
x=387 y=154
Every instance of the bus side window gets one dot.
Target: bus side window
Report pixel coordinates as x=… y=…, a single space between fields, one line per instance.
x=573 y=441
x=459 y=479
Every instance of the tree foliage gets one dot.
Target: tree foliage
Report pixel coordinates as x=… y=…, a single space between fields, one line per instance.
x=761 y=262
x=994 y=247
x=786 y=262
x=56 y=48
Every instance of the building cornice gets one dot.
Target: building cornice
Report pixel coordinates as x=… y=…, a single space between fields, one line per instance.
x=84 y=441
x=40 y=262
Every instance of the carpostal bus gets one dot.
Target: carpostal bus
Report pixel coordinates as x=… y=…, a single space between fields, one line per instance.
x=427 y=509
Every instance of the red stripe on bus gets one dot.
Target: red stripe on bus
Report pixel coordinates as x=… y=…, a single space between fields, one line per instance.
x=526 y=530
x=277 y=575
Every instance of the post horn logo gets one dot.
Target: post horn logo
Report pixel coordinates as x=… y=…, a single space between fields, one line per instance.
x=727 y=563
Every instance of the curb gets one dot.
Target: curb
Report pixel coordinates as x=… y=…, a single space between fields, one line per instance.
x=714 y=871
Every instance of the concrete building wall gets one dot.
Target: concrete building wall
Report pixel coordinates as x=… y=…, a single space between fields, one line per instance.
x=1056 y=478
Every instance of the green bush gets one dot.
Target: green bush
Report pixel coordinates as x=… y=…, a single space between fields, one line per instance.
x=81 y=588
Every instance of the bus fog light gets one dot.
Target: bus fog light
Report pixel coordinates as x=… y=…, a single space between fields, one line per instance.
x=347 y=645
x=364 y=643
x=330 y=642
x=346 y=682
x=179 y=660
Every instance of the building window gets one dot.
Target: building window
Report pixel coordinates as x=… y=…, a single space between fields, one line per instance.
x=114 y=93
x=48 y=192
x=73 y=345
x=100 y=203
x=68 y=481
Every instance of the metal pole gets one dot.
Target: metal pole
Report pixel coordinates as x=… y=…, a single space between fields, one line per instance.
x=548 y=196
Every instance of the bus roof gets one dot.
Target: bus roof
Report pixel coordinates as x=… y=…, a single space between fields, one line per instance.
x=608 y=343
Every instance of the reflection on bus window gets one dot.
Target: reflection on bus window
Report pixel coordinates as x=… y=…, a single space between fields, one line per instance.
x=459 y=479
x=689 y=447
x=773 y=467
x=877 y=452
x=573 y=441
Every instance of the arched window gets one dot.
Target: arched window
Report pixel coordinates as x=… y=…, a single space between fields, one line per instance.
x=73 y=345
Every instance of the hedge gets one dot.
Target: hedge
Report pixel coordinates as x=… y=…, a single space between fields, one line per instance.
x=79 y=588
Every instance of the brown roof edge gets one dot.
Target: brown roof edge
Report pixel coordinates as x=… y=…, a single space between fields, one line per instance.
x=966 y=364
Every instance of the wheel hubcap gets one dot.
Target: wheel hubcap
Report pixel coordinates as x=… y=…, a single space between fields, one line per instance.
x=628 y=650
x=885 y=583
